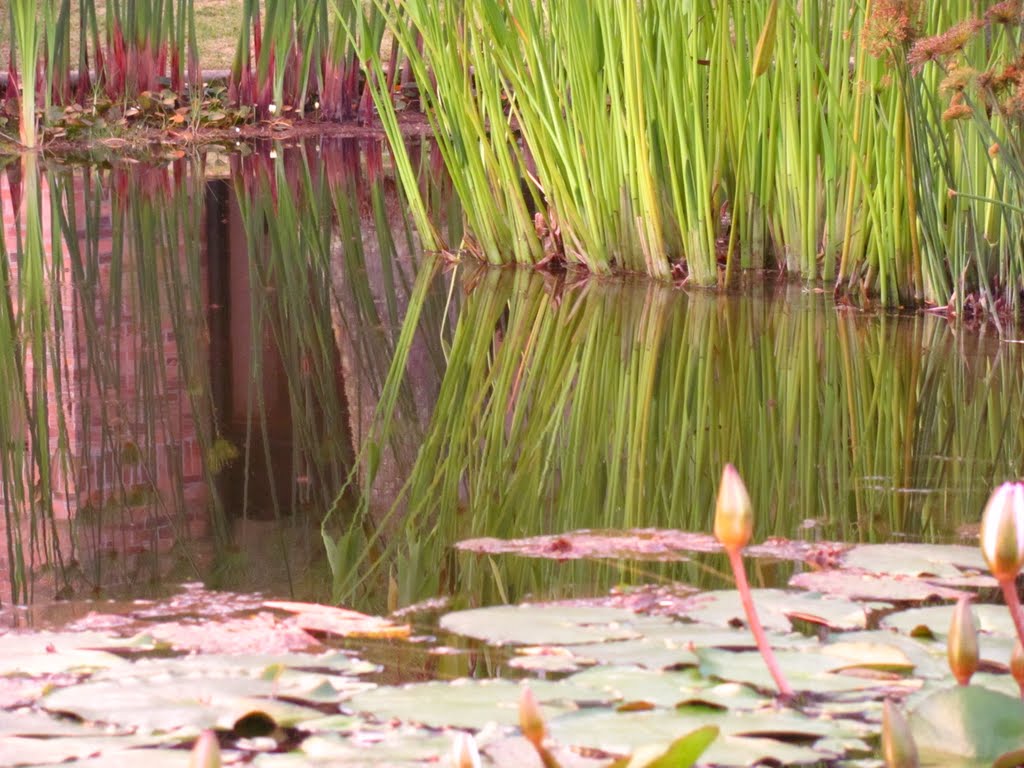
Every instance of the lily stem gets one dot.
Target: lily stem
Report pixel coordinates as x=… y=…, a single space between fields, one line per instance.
x=743 y=587
x=1013 y=603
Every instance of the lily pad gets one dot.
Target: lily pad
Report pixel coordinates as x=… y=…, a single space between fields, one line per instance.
x=967 y=725
x=866 y=585
x=623 y=732
x=668 y=689
x=949 y=563
x=777 y=608
x=164 y=705
x=805 y=671
x=993 y=619
x=43 y=653
x=549 y=624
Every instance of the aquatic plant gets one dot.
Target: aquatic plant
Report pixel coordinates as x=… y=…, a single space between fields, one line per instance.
x=1002 y=544
x=962 y=644
x=603 y=136
x=734 y=525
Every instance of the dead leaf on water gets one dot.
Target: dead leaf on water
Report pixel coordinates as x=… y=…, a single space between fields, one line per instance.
x=342 y=622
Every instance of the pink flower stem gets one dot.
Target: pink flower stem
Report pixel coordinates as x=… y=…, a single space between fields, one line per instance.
x=743 y=587
x=1013 y=603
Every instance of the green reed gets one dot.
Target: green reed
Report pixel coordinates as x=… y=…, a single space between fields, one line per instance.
x=611 y=406
x=614 y=136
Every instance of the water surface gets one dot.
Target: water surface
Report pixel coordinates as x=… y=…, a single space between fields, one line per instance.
x=240 y=368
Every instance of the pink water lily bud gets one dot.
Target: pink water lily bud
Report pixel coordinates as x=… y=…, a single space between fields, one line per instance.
x=531 y=721
x=898 y=747
x=962 y=644
x=734 y=516
x=464 y=751
x=1002 y=531
x=205 y=752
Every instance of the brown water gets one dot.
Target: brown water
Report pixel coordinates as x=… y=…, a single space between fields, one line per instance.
x=205 y=361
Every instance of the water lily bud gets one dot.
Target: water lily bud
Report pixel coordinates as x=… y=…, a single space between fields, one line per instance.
x=1017 y=665
x=962 y=645
x=206 y=752
x=531 y=721
x=1002 y=531
x=734 y=518
x=898 y=748
x=464 y=751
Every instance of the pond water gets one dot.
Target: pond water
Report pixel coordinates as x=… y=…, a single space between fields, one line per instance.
x=239 y=368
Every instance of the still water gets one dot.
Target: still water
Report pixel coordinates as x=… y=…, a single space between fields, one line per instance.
x=240 y=368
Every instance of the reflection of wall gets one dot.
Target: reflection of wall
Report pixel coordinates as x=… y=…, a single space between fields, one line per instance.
x=127 y=462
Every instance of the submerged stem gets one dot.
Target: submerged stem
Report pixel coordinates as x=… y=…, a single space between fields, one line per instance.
x=743 y=587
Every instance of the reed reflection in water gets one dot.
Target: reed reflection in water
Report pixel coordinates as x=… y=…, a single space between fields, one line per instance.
x=188 y=347
x=611 y=405
x=242 y=368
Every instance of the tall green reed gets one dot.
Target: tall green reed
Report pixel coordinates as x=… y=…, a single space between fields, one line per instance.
x=614 y=135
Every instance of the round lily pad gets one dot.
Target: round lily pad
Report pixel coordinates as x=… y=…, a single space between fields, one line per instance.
x=549 y=624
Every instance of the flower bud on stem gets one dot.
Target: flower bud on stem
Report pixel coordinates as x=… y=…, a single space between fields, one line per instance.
x=734 y=525
x=743 y=587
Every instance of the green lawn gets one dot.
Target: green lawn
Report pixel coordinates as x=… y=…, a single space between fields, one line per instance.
x=217 y=27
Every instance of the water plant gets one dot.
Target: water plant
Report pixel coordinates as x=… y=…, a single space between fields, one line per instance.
x=734 y=525
x=854 y=192
x=1002 y=544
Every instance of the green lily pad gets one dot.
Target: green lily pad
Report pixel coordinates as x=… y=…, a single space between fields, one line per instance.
x=947 y=562
x=121 y=757
x=669 y=689
x=804 y=670
x=164 y=705
x=46 y=653
x=865 y=585
x=469 y=703
x=776 y=608
x=623 y=732
x=992 y=619
x=967 y=725
x=549 y=624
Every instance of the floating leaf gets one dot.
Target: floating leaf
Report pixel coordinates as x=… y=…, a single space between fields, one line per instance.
x=341 y=622
x=865 y=585
x=947 y=562
x=965 y=725
x=777 y=607
x=549 y=624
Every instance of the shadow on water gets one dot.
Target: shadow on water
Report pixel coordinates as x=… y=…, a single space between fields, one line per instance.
x=241 y=368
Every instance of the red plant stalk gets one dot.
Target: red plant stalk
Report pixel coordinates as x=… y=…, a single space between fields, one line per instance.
x=1009 y=587
x=743 y=587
